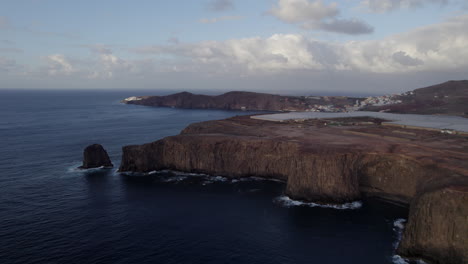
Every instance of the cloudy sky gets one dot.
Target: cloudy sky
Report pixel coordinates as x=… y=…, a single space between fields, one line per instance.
x=280 y=46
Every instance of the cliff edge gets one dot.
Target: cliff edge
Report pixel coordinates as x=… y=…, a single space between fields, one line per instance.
x=328 y=161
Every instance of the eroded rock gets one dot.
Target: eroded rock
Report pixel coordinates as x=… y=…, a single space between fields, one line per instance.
x=95 y=156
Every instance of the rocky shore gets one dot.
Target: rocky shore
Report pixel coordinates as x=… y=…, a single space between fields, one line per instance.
x=325 y=163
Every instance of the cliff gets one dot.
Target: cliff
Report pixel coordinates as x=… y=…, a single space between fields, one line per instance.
x=437 y=229
x=319 y=163
x=334 y=164
x=240 y=101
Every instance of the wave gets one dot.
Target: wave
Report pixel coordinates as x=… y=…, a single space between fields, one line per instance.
x=398 y=228
x=181 y=176
x=288 y=202
x=75 y=168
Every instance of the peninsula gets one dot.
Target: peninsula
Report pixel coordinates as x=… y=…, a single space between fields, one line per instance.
x=337 y=160
x=448 y=98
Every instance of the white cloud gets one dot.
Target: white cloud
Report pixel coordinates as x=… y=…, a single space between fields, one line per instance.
x=57 y=64
x=431 y=48
x=294 y=11
x=108 y=64
x=219 y=19
x=381 y=6
x=432 y=53
x=318 y=16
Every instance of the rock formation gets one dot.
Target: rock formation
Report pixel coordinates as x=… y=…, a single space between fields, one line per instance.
x=334 y=164
x=437 y=229
x=95 y=156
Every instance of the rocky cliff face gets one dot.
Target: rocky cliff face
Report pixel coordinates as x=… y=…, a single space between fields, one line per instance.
x=328 y=177
x=437 y=229
x=324 y=175
x=95 y=156
x=331 y=165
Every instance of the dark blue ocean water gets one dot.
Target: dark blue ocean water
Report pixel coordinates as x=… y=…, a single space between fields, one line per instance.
x=51 y=213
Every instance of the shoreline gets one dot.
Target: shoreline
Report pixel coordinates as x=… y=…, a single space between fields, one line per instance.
x=325 y=164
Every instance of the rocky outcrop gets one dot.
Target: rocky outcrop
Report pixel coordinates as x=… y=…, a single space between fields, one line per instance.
x=328 y=177
x=437 y=228
x=95 y=156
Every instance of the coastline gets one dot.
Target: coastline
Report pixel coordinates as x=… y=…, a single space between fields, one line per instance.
x=320 y=163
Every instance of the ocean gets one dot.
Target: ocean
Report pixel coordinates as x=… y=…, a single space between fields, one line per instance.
x=51 y=212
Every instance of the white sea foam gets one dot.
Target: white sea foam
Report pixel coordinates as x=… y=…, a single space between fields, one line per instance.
x=398 y=228
x=176 y=179
x=255 y=178
x=399 y=260
x=76 y=168
x=288 y=202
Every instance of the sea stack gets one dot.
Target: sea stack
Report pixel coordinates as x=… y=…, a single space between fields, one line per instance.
x=95 y=156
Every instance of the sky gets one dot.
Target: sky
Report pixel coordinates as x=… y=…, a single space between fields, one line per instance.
x=277 y=46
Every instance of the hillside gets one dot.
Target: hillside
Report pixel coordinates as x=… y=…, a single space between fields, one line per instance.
x=247 y=101
x=449 y=98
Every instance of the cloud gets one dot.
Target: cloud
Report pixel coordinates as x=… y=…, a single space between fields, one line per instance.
x=220 y=5
x=347 y=26
x=420 y=57
x=58 y=64
x=218 y=19
x=440 y=47
x=381 y=6
x=316 y=15
x=295 y=11
x=406 y=60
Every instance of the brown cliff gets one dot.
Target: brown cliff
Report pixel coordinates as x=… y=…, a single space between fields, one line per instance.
x=330 y=164
x=437 y=229
x=306 y=154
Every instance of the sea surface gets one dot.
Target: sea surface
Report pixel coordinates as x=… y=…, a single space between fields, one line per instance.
x=52 y=213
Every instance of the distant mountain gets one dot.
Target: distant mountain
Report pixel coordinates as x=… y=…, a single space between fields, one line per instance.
x=449 y=98
x=247 y=101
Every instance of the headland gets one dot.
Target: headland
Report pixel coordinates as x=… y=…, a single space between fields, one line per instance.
x=333 y=161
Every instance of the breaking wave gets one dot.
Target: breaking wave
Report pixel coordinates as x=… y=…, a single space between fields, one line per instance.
x=398 y=228
x=288 y=202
